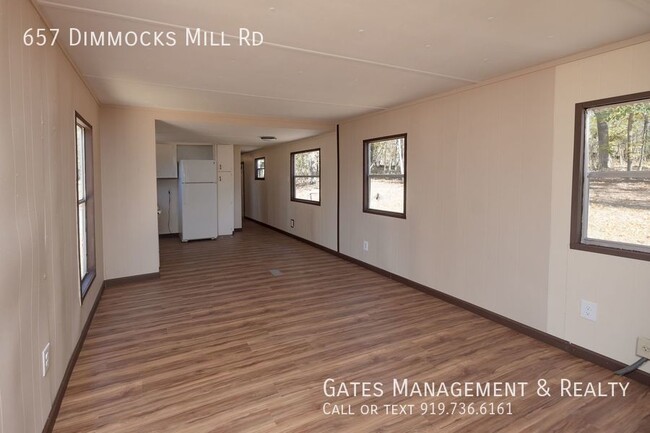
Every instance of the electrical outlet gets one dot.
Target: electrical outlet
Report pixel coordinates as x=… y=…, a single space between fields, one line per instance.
x=365 y=245
x=292 y=223
x=588 y=310
x=45 y=359
x=643 y=347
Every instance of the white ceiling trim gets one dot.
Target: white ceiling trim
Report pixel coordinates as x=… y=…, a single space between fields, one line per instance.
x=224 y=92
x=281 y=46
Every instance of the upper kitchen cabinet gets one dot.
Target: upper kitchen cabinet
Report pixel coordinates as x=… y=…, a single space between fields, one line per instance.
x=225 y=157
x=166 y=163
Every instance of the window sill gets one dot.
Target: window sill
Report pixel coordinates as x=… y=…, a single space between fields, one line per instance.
x=611 y=251
x=86 y=283
x=385 y=213
x=315 y=203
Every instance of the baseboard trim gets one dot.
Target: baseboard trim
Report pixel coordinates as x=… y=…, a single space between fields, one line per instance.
x=167 y=235
x=291 y=235
x=58 y=399
x=565 y=345
x=132 y=279
x=238 y=230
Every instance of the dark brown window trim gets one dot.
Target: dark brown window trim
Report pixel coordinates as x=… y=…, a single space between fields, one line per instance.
x=85 y=281
x=292 y=186
x=366 y=189
x=577 y=195
x=263 y=158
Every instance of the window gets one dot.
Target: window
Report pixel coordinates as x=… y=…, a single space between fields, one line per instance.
x=610 y=210
x=384 y=180
x=305 y=176
x=259 y=168
x=85 y=204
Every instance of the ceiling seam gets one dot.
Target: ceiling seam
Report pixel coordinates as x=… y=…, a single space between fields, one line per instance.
x=272 y=44
x=199 y=89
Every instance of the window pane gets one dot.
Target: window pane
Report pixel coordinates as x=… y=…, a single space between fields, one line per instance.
x=307 y=188
x=83 y=245
x=386 y=193
x=617 y=173
x=307 y=163
x=386 y=157
x=619 y=210
x=85 y=205
x=386 y=175
x=259 y=168
x=81 y=163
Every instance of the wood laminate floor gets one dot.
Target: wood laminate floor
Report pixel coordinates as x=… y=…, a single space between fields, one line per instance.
x=219 y=344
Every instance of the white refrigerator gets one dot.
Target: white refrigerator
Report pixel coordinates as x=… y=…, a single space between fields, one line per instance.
x=197 y=190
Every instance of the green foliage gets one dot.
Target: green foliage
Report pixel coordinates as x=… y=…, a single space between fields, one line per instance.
x=307 y=163
x=386 y=157
x=627 y=132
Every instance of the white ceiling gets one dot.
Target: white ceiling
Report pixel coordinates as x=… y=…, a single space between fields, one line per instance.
x=330 y=60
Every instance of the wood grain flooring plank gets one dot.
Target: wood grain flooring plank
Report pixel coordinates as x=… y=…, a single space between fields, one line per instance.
x=220 y=344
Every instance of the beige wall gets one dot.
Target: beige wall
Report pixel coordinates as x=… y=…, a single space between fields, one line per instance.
x=478 y=195
x=488 y=201
x=620 y=286
x=39 y=282
x=129 y=192
x=269 y=200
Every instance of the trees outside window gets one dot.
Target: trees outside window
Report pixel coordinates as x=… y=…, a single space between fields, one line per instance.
x=85 y=204
x=384 y=186
x=305 y=176
x=611 y=180
x=259 y=168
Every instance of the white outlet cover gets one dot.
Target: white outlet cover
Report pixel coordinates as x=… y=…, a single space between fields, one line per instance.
x=643 y=347
x=588 y=310
x=365 y=245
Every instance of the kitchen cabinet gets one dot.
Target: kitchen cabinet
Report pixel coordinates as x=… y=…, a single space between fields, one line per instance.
x=225 y=157
x=226 y=199
x=166 y=163
x=225 y=189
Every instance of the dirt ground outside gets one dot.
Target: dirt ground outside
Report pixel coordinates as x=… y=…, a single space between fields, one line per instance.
x=387 y=195
x=619 y=210
x=308 y=189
